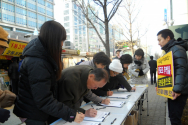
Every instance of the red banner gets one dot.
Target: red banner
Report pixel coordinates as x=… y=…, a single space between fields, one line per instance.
x=164 y=70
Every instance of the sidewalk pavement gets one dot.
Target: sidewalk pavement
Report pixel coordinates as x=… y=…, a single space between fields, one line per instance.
x=157 y=108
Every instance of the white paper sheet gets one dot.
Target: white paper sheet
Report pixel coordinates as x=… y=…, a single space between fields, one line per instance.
x=118 y=104
x=99 y=118
x=119 y=95
x=141 y=86
x=82 y=123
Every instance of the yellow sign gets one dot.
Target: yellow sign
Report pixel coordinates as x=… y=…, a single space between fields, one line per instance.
x=15 y=48
x=165 y=73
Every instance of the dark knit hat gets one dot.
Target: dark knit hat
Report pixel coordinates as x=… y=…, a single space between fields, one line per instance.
x=126 y=59
x=139 y=52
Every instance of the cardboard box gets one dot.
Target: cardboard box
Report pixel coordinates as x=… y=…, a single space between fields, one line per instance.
x=132 y=119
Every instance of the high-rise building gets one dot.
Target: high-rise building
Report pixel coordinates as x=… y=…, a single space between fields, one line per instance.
x=75 y=26
x=25 y=15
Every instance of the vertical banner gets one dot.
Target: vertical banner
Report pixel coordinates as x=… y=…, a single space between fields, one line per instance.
x=165 y=73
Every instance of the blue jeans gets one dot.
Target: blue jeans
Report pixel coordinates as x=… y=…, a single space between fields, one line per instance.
x=34 y=122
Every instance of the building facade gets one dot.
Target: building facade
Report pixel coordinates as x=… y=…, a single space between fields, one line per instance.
x=25 y=15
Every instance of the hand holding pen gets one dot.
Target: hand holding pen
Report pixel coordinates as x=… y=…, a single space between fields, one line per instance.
x=109 y=93
x=79 y=117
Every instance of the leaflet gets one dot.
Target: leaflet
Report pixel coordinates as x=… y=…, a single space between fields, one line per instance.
x=118 y=104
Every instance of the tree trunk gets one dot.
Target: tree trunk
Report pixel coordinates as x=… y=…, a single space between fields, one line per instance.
x=106 y=29
x=107 y=39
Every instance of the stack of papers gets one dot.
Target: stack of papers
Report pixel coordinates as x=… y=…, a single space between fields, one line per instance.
x=120 y=96
x=118 y=104
x=99 y=117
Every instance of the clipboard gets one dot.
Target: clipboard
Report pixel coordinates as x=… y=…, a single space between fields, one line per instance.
x=116 y=104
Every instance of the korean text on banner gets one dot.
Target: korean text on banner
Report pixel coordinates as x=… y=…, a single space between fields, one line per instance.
x=165 y=73
x=15 y=48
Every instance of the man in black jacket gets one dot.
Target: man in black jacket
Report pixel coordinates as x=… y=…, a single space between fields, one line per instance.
x=178 y=48
x=14 y=75
x=76 y=81
x=153 y=66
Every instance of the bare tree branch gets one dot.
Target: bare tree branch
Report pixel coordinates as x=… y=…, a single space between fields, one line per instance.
x=114 y=11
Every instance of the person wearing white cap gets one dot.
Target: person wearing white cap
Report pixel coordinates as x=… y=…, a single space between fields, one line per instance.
x=116 y=80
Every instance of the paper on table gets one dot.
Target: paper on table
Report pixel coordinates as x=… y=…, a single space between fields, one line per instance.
x=142 y=86
x=123 y=96
x=81 y=123
x=115 y=104
x=99 y=118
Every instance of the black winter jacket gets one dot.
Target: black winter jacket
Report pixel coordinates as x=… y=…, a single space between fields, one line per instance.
x=153 y=65
x=13 y=71
x=37 y=86
x=179 y=49
x=114 y=83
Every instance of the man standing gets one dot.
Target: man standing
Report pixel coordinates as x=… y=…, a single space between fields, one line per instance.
x=179 y=92
x=153 y=66
x=14 y=75
x=117 y=54
x=76 y=81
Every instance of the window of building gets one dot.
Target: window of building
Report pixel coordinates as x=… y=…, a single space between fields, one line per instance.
x=76 y=31
x=8 y=18
x=11 y=1
x=67 y=30
x=49 y=13
x=67 y=5
x=68 y=37
x=41 y=2
x=7 y=7
x=66 y=18
x=41 y=18
x=32 y=15
x=66 y=12
x=21 y=3
x=75 y=20
x=66 y=24
x=75 y=6
x=31 y=6
x=21 y=21
x=41 y=10
x=32 y=24
x=49 y=5
x=21 y=11
x=76 y=38
x=75 y=13
x=67 y=43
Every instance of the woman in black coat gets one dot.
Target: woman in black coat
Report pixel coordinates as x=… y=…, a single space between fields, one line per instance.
x=39 y=71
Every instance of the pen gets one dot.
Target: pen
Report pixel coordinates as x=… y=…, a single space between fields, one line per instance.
x=113 y=121
x=92 y=106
